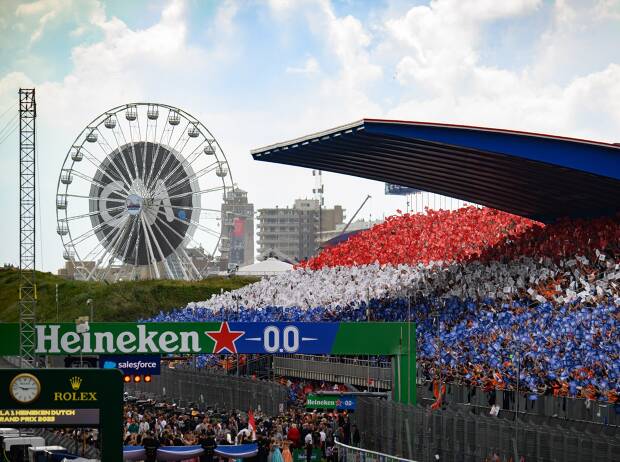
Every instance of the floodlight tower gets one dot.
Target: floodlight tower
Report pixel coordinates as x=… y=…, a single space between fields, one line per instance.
x=27 y=229
x=318 y=191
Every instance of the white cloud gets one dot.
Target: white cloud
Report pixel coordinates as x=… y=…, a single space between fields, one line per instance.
x=311 y=66
x=439 y=43
x=608 y=9
x=440 y=61
x=44 y=12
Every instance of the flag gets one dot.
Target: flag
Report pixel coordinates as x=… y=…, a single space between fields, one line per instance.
x=252 y=423
x=438 y=393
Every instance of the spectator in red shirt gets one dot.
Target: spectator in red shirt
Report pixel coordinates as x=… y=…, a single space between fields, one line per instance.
x=294 y=435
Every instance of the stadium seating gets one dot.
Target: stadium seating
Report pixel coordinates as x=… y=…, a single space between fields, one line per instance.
x=470 y=234
x=438 y=235
x=512 y=295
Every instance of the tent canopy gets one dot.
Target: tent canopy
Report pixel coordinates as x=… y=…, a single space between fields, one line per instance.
x=538 y=176
x=267 y=267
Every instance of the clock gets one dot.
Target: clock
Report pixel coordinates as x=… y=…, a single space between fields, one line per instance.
x=25 y=388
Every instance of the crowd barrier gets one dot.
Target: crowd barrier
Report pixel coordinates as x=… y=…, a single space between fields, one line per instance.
x=189 y=386
x=416 y=432
x=561 y=408
x=348 y=453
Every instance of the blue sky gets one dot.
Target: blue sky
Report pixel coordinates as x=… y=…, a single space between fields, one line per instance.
x=259 y=72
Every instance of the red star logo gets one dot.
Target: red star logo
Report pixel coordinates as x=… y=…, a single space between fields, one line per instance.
x=224 y=339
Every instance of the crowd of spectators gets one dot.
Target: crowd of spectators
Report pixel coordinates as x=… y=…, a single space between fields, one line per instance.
x=299 y=389
x=156 y=424
x=469 y=234
x=499 y=301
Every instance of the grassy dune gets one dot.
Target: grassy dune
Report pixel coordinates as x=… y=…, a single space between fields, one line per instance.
x=121 y=301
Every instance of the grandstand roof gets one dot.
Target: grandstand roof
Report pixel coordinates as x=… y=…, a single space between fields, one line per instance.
x=542 y=177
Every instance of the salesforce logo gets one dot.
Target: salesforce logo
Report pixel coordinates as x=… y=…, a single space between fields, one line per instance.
x=137 y=365
x=131 y=365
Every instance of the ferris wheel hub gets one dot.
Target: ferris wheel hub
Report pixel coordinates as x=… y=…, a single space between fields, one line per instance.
x=134 y=204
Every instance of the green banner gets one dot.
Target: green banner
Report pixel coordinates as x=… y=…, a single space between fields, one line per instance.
x=299 y=455
x=389 y=338
x=396 y=339
x=340 y=402
x=9 y=333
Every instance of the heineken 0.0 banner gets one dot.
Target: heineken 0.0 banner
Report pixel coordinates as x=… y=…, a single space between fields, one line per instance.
x=187 y=338
x=339 y=402
x=217 y=338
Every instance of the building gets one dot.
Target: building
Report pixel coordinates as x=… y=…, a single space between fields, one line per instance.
x=237 y=244
x=357 y=226
x=291 y=234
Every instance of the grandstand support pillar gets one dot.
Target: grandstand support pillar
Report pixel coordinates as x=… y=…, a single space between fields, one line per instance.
x=27 y=254
x=404 y=367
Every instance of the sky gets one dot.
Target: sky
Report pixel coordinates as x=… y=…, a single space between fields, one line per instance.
x=261 y=72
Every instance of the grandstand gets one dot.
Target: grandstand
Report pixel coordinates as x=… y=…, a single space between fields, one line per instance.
x=553 y=306
x=518 y=300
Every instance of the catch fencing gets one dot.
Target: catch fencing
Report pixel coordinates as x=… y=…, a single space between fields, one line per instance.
x=460 y=433
x=335 y=369
x=374 y=375
x=416 y=432
x=348 y=453
x=563 y=408
x=199 y=387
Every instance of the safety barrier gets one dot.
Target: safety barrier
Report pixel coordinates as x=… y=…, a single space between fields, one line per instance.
x=352 y=454
x=418 y=433
x=362 y=373
x=189 y=386
x=459 y=433
x=543 y=406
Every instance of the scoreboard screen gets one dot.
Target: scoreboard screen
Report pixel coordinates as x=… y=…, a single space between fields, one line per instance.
x=48 y=417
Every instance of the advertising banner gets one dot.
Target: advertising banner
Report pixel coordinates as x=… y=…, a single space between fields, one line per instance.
x=397 y=190
x=338 y=402
x=187 y=338
x=237 y=242
x=49 y=417
x=132 y=364
x=299 y=455
x=225 y=338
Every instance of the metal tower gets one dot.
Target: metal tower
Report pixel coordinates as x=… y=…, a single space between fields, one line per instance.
x=27 y=285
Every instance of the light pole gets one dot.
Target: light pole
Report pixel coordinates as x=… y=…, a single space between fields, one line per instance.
x=89 y=302
x=409 y=346
x=518 y=357
x=437 y=319
x=237 y=298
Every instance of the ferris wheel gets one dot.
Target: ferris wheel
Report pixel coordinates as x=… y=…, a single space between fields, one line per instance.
x=139 y=193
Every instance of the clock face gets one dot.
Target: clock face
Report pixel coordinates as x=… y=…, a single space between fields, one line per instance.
x=25 y=388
